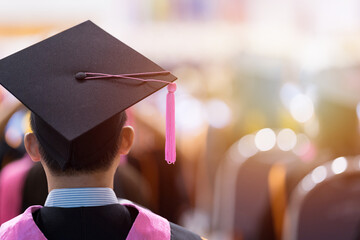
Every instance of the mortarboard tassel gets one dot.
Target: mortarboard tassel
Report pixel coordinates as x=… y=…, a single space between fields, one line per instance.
x=170 y=139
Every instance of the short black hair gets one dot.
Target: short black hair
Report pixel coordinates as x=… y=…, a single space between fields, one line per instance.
x=102 y=162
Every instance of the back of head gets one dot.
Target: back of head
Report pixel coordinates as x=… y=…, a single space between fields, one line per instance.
x=90 y=152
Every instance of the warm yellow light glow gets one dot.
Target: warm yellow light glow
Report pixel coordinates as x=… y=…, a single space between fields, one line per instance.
x=265 y=139
x=311 y=127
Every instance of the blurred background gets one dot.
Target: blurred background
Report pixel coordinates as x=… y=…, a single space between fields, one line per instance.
x=267 y=109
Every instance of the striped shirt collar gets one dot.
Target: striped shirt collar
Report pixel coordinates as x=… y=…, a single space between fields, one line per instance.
x=81 y=197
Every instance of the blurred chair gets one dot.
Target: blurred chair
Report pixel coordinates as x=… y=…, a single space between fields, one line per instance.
x=326 y=203
x=224 y=194
x=250 y=194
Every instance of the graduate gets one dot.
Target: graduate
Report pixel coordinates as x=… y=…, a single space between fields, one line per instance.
x=78 y=85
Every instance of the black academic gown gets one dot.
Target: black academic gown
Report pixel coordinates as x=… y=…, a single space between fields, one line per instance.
x=90 y=223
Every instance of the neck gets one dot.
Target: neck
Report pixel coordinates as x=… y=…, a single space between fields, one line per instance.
x=103 y=178
x=100 y=179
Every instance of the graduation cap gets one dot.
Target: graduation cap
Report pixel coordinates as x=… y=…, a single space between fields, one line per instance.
x=79 y=80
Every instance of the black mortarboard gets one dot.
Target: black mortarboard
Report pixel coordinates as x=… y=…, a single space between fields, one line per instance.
x=48 y=78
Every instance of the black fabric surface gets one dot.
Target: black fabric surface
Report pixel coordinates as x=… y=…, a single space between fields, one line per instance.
x=90 y=223
x=180 y=233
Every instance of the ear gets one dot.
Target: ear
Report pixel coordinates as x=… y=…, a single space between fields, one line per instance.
x=126 y=139
x=32 y=146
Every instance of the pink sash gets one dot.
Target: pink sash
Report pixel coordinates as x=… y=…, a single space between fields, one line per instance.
x=22 y=227
x=147 y=225
x=12 y=178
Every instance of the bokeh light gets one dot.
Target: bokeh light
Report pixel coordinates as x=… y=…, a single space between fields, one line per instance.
x=358 y=110
x=319 y=174
x=301 y=108
x=190 y=115
x=15 y=129
x=339 y=165
x=287 y=93
x=307 y=183
x=246 y=146
x=13 y=137
x=265 y=139
x=286 y=139
x=218 y=113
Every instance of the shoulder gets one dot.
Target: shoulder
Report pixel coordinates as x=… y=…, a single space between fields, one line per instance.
x=150 y=225
x=21 y=227
x=180 y=233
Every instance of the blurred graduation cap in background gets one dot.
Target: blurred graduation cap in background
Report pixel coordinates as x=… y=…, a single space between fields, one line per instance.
x=76 y=82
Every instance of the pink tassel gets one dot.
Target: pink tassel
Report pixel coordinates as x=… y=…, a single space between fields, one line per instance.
x=170 y=141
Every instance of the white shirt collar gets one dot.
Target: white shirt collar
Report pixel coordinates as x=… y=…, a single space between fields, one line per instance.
x=81 y=197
